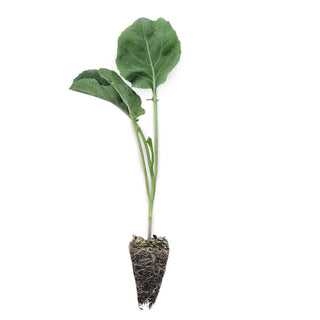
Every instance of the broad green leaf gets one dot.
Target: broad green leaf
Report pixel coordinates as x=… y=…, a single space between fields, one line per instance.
x=147 y=52
x=130 y=98
x=92 y=83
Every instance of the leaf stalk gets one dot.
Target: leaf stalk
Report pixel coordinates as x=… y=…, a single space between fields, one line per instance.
x=149 y=156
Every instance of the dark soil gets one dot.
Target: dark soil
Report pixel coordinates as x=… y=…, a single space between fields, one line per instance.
x=149 y=260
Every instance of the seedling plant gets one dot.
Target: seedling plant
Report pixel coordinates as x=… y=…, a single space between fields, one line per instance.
x=147 y=51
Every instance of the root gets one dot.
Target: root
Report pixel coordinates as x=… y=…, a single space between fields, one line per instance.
x=149 y=260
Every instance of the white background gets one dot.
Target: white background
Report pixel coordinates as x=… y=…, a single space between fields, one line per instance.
x=239 y=178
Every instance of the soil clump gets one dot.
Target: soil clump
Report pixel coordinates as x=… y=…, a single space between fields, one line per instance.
x=149 y=260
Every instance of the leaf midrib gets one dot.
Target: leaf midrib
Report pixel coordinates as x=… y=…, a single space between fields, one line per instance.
x=151 y=64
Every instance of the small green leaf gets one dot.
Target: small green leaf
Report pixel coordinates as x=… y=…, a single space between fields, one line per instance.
x=92 y=83
x=150 y=145
x=147 y=52
x=130 y=98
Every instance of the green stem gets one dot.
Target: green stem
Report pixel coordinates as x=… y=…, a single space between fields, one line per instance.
x=155 y=105
x=155 y=171
x=150 y=219
x=152 y=163
x=136 y=129
x=147 y=148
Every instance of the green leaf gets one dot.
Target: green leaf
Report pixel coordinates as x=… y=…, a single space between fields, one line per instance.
x=150 y=145
x=147 y=52
x=92 y=83
x=128 y=96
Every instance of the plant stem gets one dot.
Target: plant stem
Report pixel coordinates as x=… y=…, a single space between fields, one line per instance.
x=152 y=164
x=155 y=105
x=136 y=129
x=147 y=150
x=155 y=171
x=150 y=219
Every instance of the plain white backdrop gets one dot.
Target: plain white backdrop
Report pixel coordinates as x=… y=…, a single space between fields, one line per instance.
x=239 y=172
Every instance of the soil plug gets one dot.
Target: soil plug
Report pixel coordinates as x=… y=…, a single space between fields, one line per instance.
x=149 y=260
x=147 y=51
